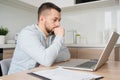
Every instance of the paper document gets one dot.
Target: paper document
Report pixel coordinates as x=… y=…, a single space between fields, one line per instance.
x=65 y=74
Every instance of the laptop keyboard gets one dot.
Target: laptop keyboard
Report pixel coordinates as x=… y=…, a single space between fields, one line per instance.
x=89 y=64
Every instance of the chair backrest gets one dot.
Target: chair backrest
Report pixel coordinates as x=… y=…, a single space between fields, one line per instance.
x=5 y=64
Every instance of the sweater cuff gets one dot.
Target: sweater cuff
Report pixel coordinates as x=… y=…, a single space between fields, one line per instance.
x=59 y=39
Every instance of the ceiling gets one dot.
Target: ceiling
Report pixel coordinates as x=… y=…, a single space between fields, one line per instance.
x=35 y=3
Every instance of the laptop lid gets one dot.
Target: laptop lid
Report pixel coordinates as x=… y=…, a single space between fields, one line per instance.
x=107 y=50
x=103 y=57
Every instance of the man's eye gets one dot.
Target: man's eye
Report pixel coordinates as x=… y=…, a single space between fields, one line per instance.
x=54 y=20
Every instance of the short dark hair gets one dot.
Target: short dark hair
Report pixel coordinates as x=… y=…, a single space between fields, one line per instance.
x=46 y=6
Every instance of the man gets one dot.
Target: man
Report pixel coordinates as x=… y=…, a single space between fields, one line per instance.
x=40 y=43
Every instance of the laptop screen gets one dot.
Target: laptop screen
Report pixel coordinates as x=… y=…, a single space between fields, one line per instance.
x=107 y=50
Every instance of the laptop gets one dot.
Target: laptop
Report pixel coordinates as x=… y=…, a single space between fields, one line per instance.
x=92 y=64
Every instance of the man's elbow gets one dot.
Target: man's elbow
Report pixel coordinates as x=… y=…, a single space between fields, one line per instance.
x=47 y=63
x=64 y=57
x=67 y=57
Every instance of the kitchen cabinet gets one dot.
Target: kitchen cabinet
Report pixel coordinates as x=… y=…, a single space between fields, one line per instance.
x=92 y=52
x=92 y=4
x=62 y=3
x=88 y=53
x=32 y=5
x=6 y=51
x=71 y=4
x=83 y=1
x=73 y=52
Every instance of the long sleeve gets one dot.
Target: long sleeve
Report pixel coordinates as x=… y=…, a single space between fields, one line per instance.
x=31 y=45
x=63 y=55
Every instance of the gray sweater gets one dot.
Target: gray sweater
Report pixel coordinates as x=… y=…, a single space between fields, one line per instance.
x=32 y=47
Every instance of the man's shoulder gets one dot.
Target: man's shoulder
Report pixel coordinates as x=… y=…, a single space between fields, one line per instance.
x=28 y=32
x=31 y=28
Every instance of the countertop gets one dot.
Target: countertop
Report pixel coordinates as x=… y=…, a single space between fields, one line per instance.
x=68 y=45
x=7 y=45
x=89 y=45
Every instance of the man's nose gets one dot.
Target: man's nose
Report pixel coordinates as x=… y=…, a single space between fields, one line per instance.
x=58 y=24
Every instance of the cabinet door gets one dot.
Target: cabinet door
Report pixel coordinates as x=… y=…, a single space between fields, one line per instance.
x=62 y=3
x=73 y=52
x=93 y=53
x=7 y=53
x=89 y=53
x=112 y=55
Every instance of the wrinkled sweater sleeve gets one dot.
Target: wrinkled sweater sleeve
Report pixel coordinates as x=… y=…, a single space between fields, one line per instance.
x=32 y=46
x=63 y=55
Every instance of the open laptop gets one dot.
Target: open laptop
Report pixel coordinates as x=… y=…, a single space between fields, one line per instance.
x=92 y=64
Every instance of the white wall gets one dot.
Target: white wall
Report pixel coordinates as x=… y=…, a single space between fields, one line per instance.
x=35 y=3
x=15 y=19
x=91 y=23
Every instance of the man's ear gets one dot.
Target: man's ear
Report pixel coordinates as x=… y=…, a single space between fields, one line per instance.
x=42 y=18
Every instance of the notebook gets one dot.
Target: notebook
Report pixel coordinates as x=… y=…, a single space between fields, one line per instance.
x=93 y=64
x=65 y=74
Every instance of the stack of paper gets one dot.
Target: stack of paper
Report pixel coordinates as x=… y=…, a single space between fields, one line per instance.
x=65 y=74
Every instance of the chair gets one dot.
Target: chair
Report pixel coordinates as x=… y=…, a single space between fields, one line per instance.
x=5 y=64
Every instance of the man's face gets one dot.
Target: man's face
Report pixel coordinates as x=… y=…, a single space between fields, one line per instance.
x=52 y=21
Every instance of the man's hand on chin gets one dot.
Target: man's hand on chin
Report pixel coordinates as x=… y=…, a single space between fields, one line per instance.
x=59 y=31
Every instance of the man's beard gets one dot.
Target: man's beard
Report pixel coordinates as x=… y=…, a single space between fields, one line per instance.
x=52 y=33
x=49 y=31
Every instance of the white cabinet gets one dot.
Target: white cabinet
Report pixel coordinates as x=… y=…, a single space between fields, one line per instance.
x=62 y=3
x=93 y=4
x=70 y=4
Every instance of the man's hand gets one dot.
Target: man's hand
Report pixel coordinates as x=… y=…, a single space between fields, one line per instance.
x=59 y=31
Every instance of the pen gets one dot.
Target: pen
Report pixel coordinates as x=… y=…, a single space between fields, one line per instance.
x=99 y=78
x=39 y=76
